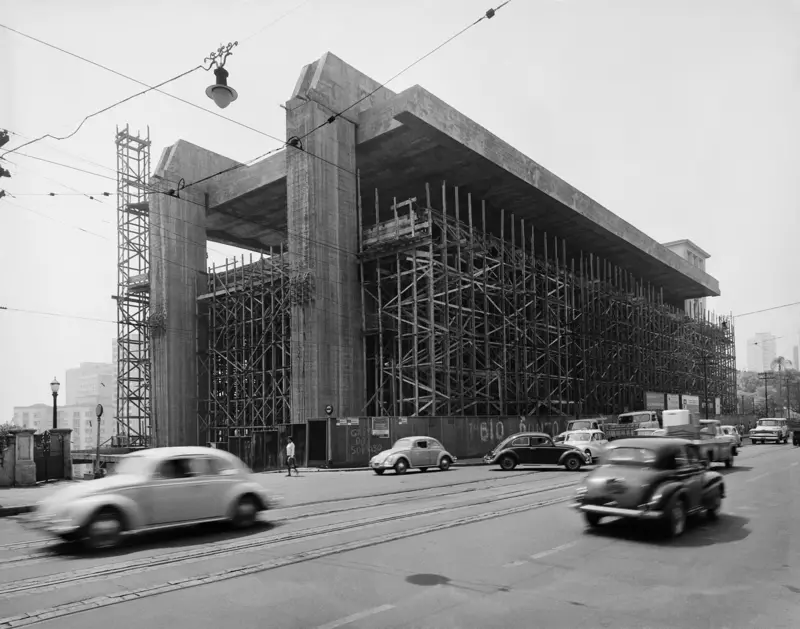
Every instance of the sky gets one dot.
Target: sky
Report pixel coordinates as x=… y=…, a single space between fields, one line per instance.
x=680 y=116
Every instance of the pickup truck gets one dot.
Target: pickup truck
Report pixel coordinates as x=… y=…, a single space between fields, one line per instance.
x=625 y=426
x=714 y=444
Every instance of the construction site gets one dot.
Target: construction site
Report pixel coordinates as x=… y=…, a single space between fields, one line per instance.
x=411 y=273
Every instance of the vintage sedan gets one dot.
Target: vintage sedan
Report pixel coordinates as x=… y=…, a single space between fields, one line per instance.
x=656 y=479
x=732 y=435
x=153 y=489
x=419 y=452
x=536 y=448
x=592 y=442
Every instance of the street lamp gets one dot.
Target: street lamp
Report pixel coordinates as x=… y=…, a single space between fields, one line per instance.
x=221 y=93
x=54 y=386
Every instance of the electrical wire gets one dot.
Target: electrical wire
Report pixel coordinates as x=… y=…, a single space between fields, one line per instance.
x=745 y=314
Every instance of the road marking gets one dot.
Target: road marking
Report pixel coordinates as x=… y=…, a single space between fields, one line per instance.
x=353 y=617
x=541 y=555
x=755 y=478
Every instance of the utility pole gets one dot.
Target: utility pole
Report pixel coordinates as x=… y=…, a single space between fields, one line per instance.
x=705 y=382
x=766 y=375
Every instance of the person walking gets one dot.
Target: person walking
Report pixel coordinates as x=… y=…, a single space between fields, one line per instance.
x=290 y=461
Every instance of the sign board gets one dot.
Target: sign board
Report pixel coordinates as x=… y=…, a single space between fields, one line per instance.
x=673 y=401
x=341 y=421
x=717 y=406
x=654 y=401
x=352 y=421
x=98 y=410
x=402 y=420
x=691 y=403
x=380 y=427
x=329 y=410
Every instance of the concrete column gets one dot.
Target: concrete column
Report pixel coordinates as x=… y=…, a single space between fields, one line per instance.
x=66 y=441
x=178 y=273
x=327 y=356
x=25 y=466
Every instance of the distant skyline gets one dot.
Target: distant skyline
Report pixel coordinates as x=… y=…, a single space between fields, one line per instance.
x=678 y=116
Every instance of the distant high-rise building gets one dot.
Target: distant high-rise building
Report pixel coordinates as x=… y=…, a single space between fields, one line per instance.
x=687 y=250
x=90 y=384
x=761 y=351
x=796 y=357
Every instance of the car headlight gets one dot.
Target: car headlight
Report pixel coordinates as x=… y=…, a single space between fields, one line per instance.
x=390 y=459
x=581 y=491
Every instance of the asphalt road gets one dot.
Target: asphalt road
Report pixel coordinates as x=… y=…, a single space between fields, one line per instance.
x=467 y=548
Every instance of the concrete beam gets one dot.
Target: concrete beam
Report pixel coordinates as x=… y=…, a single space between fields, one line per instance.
x=421 y=111
x=230 y=186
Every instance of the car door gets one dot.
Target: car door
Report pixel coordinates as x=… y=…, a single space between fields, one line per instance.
x=212 y=487
x=173 y=492
x=435 y=449
x=420 y=453
x=689 y=470
x=521 y=446
x=544 y=451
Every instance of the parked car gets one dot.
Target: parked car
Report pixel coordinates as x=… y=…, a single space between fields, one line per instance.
x=418 y=452
x=652 y=479
x=592 y=442
x=536 y=448
x=732 y=434
x=770 y=429
x=154 y=488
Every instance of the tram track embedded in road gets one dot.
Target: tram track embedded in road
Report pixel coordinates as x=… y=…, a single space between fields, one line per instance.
x=41 y=584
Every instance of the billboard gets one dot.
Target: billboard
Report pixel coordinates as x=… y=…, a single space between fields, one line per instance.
x=673 y=401
x=653 y=401
x=692 y=403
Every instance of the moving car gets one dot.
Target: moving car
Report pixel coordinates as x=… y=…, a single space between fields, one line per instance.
x=655 y=479
x=591 y=442
x=153 y=489
x=650 y=432
x=419 y=452
x=536 y=448
x=770 y=429
x=732 y=435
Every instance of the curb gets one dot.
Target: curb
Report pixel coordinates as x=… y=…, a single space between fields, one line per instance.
x=6 y=512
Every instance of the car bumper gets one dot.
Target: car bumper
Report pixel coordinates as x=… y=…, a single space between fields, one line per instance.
x=766 y=437
x=48 y=524
x=635 y=514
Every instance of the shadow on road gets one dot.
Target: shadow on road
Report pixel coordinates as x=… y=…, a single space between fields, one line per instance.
x=167 y=539
x=730 y=470
x=699 y=532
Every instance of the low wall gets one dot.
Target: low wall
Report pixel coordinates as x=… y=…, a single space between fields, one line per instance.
x=353 y=444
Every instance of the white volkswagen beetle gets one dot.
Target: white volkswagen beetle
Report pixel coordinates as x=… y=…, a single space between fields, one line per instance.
x=153 y=489
x=592 y=442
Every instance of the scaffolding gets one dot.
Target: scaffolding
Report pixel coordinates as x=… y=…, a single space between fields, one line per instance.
x=463 y=315
x=459 y=321
x=245 y=371
x=133 y=289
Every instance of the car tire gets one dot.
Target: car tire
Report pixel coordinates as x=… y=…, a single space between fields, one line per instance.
x=508 y=463
x=573 y=463
x=729 y=461
x=735 y=451
x=423 y=469
x=245 y=513
x=592 y=519
x=589 y=454
x=715 y=504
x=445 y=463
x=379 y=472
x=675 y=518
x=104 y=530
x=401 y=467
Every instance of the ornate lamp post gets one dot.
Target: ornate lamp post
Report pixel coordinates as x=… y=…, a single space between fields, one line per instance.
x=221 y=93
x=54 y=386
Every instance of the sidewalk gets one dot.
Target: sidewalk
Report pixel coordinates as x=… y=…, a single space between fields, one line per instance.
x=14 y=501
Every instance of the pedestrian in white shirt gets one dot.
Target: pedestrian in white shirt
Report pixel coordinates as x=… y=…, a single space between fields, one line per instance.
x=290 y=462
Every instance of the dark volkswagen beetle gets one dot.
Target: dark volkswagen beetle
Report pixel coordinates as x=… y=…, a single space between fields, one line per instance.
x=651 y=478
x=536 y=448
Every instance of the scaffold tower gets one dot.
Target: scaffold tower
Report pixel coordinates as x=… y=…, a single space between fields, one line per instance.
x=133 y=414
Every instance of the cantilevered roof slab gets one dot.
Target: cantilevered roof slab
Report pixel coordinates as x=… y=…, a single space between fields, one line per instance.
x=416 y=138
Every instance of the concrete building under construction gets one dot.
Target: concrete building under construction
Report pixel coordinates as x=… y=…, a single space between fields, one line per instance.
x=407 y=263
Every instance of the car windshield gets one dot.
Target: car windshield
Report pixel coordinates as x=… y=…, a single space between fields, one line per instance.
x=132 y=464
x=579 y=436
x=581 y=425
x=629 y=456
x=402 y=443
x=768 y=422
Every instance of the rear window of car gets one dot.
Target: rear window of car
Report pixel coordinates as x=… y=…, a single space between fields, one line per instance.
x=630 y=456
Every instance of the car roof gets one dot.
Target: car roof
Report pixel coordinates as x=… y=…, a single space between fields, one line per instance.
x=649 y=443
x=584 y=430
x=533 y=434
x=418 y=437
x=163 y=453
